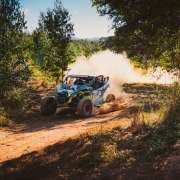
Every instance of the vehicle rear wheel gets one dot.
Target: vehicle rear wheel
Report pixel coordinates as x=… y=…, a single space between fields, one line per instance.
x=85 y=108
x=110 y=98
x=48 y=106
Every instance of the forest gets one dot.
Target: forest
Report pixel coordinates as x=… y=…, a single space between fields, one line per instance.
x=140 y=140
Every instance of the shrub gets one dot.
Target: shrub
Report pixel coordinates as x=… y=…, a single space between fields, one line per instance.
x=14 y=99
x=3 y=118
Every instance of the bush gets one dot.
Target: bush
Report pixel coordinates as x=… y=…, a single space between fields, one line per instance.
x=14 y=70
x=14 y=99
x=3 y=118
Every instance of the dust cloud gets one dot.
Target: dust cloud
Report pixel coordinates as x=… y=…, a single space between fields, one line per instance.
x=119 y=69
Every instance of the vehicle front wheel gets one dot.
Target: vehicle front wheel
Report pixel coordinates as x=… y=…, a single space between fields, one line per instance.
x=48 y=106
x=85 y=108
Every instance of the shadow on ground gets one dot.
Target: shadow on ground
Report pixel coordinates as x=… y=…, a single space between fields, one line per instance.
x=132 y=153
x=151 y=153
x=141 y=153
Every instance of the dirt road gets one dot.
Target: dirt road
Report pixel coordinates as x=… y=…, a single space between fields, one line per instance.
x=36 y=135
x=36 y=132
x=39 y=152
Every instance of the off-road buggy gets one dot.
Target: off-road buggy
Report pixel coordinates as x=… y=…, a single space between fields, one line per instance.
x=80 y=93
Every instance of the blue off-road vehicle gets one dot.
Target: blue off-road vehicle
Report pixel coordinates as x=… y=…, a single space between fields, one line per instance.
x=80 y=93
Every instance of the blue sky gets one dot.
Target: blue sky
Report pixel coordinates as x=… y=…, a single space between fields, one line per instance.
x=87 y=22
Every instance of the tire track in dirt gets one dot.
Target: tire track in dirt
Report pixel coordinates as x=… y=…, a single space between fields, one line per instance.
x=36 y=135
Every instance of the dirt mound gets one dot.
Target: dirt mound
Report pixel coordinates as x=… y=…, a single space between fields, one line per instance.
x=118 y=104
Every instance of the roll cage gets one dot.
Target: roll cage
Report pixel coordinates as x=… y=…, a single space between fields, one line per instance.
x=95 y=82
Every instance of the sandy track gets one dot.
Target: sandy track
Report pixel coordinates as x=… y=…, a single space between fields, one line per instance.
x=36 y=135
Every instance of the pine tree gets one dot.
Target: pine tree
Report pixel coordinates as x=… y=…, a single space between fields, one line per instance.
x=56 y=23
x=13 y=69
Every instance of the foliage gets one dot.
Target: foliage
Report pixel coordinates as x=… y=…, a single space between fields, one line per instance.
x=87 y=47
x=52 y=39
x=28 y=46
x=13 y=99
x=13 y=68
x=170 y=59
x=38 y=74
x=3 y=118
x=43 y=51
x=145 y=29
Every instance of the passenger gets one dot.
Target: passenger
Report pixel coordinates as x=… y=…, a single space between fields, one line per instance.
x=99 y=82
x=79 y=81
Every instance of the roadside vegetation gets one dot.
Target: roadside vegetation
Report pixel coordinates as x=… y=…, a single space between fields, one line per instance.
x=148 y=31
x=147 y=148
x=43 y=55
x=32 y=64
